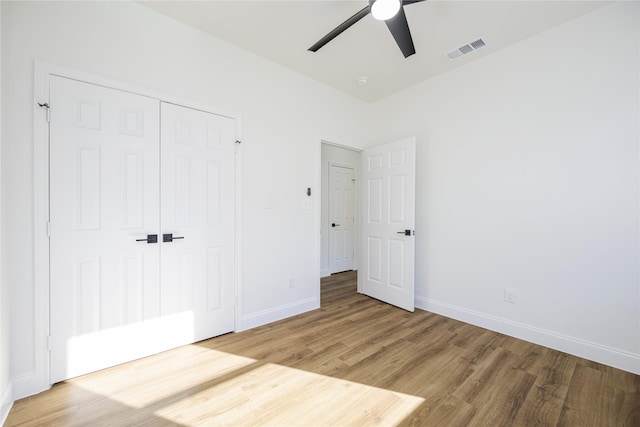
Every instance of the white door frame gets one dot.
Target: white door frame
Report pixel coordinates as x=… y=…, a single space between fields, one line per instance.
x=39 y=380
x=354 y=213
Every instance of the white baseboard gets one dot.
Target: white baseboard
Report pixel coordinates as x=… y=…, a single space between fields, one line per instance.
x=6 y=400
x=253 y=320
x=27 y=385
x=588 y=350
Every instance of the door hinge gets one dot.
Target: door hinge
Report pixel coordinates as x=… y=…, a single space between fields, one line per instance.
x=46 y=105
x=49 y=343
x=48 y=229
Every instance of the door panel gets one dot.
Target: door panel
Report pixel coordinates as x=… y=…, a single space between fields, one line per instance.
x=104 y=196
x=341 y=220
x=387 y=269
x=198 y=204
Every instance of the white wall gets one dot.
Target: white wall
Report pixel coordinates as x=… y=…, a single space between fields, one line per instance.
x=6 y=395
x=343 y=157
x=528 y=177
x=284 y=118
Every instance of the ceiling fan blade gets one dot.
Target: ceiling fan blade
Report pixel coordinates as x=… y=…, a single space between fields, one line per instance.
x=340 y=28
x=399 y=28
x=411 y=1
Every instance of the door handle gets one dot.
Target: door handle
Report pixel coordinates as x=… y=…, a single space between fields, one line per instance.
x=151 y=238
x=406 y=232
x=333 y=224
x=168 y=238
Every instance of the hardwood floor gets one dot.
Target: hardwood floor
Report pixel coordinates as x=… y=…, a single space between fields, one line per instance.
x=356 y=361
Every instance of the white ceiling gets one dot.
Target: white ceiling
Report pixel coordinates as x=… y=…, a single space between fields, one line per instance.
x=282 y=31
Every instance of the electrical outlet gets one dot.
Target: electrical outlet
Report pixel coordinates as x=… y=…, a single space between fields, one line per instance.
x=292 y=282
x=510 y=295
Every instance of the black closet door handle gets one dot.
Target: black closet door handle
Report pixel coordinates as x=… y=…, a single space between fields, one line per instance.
x=168 y=238
x=151 y=238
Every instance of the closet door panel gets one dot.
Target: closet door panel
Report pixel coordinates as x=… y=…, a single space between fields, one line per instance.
x=104 y=192
x=198 y=211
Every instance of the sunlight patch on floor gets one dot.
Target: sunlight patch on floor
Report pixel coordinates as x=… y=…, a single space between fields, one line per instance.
x=274 y=395
x=144 y=382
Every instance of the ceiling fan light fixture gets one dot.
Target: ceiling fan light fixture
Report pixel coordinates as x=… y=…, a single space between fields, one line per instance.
x=385 y=9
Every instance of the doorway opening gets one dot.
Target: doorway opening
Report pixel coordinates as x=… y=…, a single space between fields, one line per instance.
x=381 y=245
x=339 y=208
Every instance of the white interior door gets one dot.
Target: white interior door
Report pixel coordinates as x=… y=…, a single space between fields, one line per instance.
x=111 y=299
x=341 y=222
x=388 y=221
x=198 y=210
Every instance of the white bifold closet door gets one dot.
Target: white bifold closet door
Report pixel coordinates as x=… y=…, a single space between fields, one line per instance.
x=129 y=176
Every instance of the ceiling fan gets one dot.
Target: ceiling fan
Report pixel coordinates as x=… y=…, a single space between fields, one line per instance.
x=390 y=11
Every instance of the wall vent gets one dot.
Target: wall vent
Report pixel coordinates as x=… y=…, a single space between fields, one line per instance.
x=464 y=49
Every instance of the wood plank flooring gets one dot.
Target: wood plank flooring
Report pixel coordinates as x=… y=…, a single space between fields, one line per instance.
x=354 y=362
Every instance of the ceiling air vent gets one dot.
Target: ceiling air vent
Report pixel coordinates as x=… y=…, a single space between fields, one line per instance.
x=464 y=49
x=477 y=44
